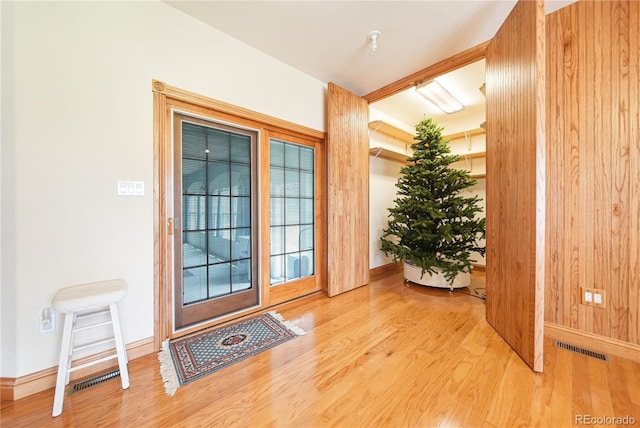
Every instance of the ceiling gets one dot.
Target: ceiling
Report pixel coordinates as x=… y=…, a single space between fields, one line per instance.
x=329 y=40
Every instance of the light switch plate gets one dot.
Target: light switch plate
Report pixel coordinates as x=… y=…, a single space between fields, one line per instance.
x=130 y=188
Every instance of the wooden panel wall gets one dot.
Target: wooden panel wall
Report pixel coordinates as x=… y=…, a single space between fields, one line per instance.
x=593 y=164
x=348 y=191
x=515 y=181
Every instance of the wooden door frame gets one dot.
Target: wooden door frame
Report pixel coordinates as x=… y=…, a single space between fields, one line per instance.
x=466 y=57
x=165 y=97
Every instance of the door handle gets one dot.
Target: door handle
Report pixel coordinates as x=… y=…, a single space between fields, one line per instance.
x=172 y=224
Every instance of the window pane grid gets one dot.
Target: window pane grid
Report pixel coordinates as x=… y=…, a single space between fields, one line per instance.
x=216 y=194
x=292 y=217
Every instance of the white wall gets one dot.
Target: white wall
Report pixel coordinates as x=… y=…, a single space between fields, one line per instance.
x=7 y=294
x=77 y=116
x=383 y=175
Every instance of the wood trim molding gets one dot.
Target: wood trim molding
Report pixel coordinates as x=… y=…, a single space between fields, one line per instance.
x=397 y=267
x=461 y=59
x=160 y=218
x=540 y=190
x=269 y=121
x=15 y=388
x=592 y=341
x=385 y=269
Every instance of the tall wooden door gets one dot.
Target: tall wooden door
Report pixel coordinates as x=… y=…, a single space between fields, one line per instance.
x=516 y=181
x=348 y=191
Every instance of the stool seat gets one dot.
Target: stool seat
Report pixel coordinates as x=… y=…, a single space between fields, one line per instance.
x=93 y=301
x=89 y=296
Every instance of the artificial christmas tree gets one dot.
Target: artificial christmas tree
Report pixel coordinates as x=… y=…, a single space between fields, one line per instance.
x=433 y=225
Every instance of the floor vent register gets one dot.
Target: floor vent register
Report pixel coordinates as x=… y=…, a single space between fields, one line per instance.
x=93 y=381
x=581 y=351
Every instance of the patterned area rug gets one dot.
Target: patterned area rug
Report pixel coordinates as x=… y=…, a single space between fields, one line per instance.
x=185 y=359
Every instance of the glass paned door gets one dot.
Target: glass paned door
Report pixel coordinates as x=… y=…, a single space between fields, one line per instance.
x=214 y=245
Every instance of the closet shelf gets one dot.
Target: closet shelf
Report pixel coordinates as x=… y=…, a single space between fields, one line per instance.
x=381 y=152
x=464 y=134
x=407 y=138
x=471 y=155
x=391 y=131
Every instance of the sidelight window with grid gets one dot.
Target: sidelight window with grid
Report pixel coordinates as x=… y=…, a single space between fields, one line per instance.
x=292 y=212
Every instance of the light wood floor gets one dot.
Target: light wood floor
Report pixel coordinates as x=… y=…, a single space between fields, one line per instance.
x=385 y=355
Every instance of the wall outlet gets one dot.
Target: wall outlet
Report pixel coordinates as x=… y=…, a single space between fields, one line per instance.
x=593 y=297
x=597 y=298
x=47 y=320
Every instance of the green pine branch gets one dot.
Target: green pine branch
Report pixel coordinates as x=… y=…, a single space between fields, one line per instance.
x=431 y=223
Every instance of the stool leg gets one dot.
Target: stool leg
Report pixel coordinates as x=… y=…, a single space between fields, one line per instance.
x=63 y=364
x=120 y=348
x=72 y=336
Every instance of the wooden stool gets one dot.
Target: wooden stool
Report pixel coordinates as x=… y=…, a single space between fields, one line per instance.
x=81 y=302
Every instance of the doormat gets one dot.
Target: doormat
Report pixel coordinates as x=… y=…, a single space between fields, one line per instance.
x=185 y=359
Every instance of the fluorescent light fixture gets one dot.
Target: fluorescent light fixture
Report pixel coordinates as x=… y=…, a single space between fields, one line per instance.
x=439 y=97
